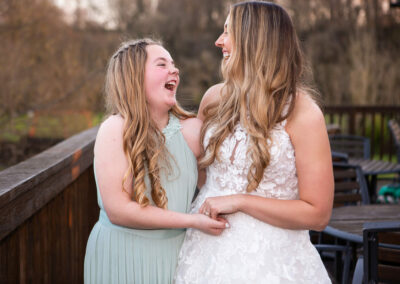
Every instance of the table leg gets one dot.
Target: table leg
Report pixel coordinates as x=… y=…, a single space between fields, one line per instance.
x=372 y=181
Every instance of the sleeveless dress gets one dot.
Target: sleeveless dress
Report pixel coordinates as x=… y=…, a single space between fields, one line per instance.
x=250 y=251
x=116 y=254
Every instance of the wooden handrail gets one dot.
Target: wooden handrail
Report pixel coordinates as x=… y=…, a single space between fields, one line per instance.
x=26 y=187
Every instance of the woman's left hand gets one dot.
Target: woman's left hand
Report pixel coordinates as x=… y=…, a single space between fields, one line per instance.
x=214 y=206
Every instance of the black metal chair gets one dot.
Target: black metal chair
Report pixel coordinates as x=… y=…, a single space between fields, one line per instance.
x=380 y=262
x=394 y=128
x=340 y=157
x=350 y=189
x=353 y=145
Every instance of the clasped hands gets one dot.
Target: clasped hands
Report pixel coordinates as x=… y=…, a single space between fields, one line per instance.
x=219 y=205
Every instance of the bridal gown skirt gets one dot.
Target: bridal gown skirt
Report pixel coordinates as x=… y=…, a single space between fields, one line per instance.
x=250 y=251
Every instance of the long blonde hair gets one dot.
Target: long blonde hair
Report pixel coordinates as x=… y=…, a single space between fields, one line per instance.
x=261 y=79
x=143 y=142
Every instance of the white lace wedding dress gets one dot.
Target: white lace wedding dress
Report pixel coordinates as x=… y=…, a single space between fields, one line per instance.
x=250 y=251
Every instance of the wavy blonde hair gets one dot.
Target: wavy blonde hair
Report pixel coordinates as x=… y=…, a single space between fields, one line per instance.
x=143 y=142
x=261 y=79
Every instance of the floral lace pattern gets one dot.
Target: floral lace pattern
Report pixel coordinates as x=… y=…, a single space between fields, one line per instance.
x=250 y=251
x=172 y=127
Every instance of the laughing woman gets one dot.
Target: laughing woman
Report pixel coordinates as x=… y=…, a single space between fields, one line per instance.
x=268 y=161
x=146 y=171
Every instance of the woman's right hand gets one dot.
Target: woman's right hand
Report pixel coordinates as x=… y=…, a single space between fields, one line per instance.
x=210 y=226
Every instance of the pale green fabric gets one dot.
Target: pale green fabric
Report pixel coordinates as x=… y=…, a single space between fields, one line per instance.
x=116 y=254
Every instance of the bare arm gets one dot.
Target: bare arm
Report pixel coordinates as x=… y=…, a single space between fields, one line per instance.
x=191 y=132
x=210 y=96
x=111 y=165
x=308 y=134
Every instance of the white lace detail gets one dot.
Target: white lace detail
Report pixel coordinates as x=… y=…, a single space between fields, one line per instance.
x=229 y=175
x=250 y=251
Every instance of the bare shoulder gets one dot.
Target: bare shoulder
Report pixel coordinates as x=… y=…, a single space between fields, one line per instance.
x=210 y=96
x=306 y=115
x=189 y=123
x=191 y=132
x=110 y=133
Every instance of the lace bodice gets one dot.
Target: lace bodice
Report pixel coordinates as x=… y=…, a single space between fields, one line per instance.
x=229 y=174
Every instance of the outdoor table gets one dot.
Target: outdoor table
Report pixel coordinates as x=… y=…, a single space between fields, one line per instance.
x=373 y=168
x=347 y=221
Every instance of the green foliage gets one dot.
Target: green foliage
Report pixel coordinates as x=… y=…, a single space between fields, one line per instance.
x=49 y=125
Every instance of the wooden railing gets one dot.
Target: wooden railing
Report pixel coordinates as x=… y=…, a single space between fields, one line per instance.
x=48 y=207
x=367 y=121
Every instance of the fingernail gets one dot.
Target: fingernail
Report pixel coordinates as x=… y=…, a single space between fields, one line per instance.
x=227 y=225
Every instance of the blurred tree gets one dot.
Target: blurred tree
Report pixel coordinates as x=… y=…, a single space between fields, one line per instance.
x=49 y=62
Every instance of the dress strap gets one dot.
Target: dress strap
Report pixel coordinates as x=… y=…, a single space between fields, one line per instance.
x=172 y=127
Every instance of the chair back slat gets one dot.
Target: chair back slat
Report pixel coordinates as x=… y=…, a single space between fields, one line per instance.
x=389 y=255
x=347 y=186
x=390 y=238
x=345 y=173
x=350 y=185
x=353 y=145
x=346 y=199
x=388 y=273
x=381 y=252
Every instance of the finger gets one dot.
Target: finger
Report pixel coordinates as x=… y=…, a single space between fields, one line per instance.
x=226 y=223
x=222 y=219
x=201 y=208
x=219 y=225
x=216 y=232
x=219 y=231
x=214 y=214
x=205 y=210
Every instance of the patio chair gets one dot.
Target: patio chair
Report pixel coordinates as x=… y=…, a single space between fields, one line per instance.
x=353 y=145
x=380 y=262
x=350 y=189
x=350 y=185
x=340 y=157
x=394 y=128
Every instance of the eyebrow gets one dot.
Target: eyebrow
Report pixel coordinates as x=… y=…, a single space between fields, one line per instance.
x=163 y=59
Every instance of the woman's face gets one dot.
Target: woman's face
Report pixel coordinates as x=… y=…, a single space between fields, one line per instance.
x=224 y=41
x=161 y=78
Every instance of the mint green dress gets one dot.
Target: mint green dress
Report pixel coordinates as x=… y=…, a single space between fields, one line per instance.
x=116 y=254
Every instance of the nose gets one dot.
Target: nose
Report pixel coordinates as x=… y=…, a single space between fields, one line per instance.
x=174 y=70
x=219 y=42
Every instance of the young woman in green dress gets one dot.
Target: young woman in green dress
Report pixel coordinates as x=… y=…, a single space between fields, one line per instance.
x=146 y=171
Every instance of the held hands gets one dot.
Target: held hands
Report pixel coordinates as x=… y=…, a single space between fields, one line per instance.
x=214 y=206
x=210 y=226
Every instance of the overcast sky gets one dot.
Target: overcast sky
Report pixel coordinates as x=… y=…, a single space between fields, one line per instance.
x=98 y=10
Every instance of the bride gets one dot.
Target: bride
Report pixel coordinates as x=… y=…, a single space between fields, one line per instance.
x=267 y=157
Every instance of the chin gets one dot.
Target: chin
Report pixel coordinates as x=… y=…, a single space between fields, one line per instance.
x=171 y=104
